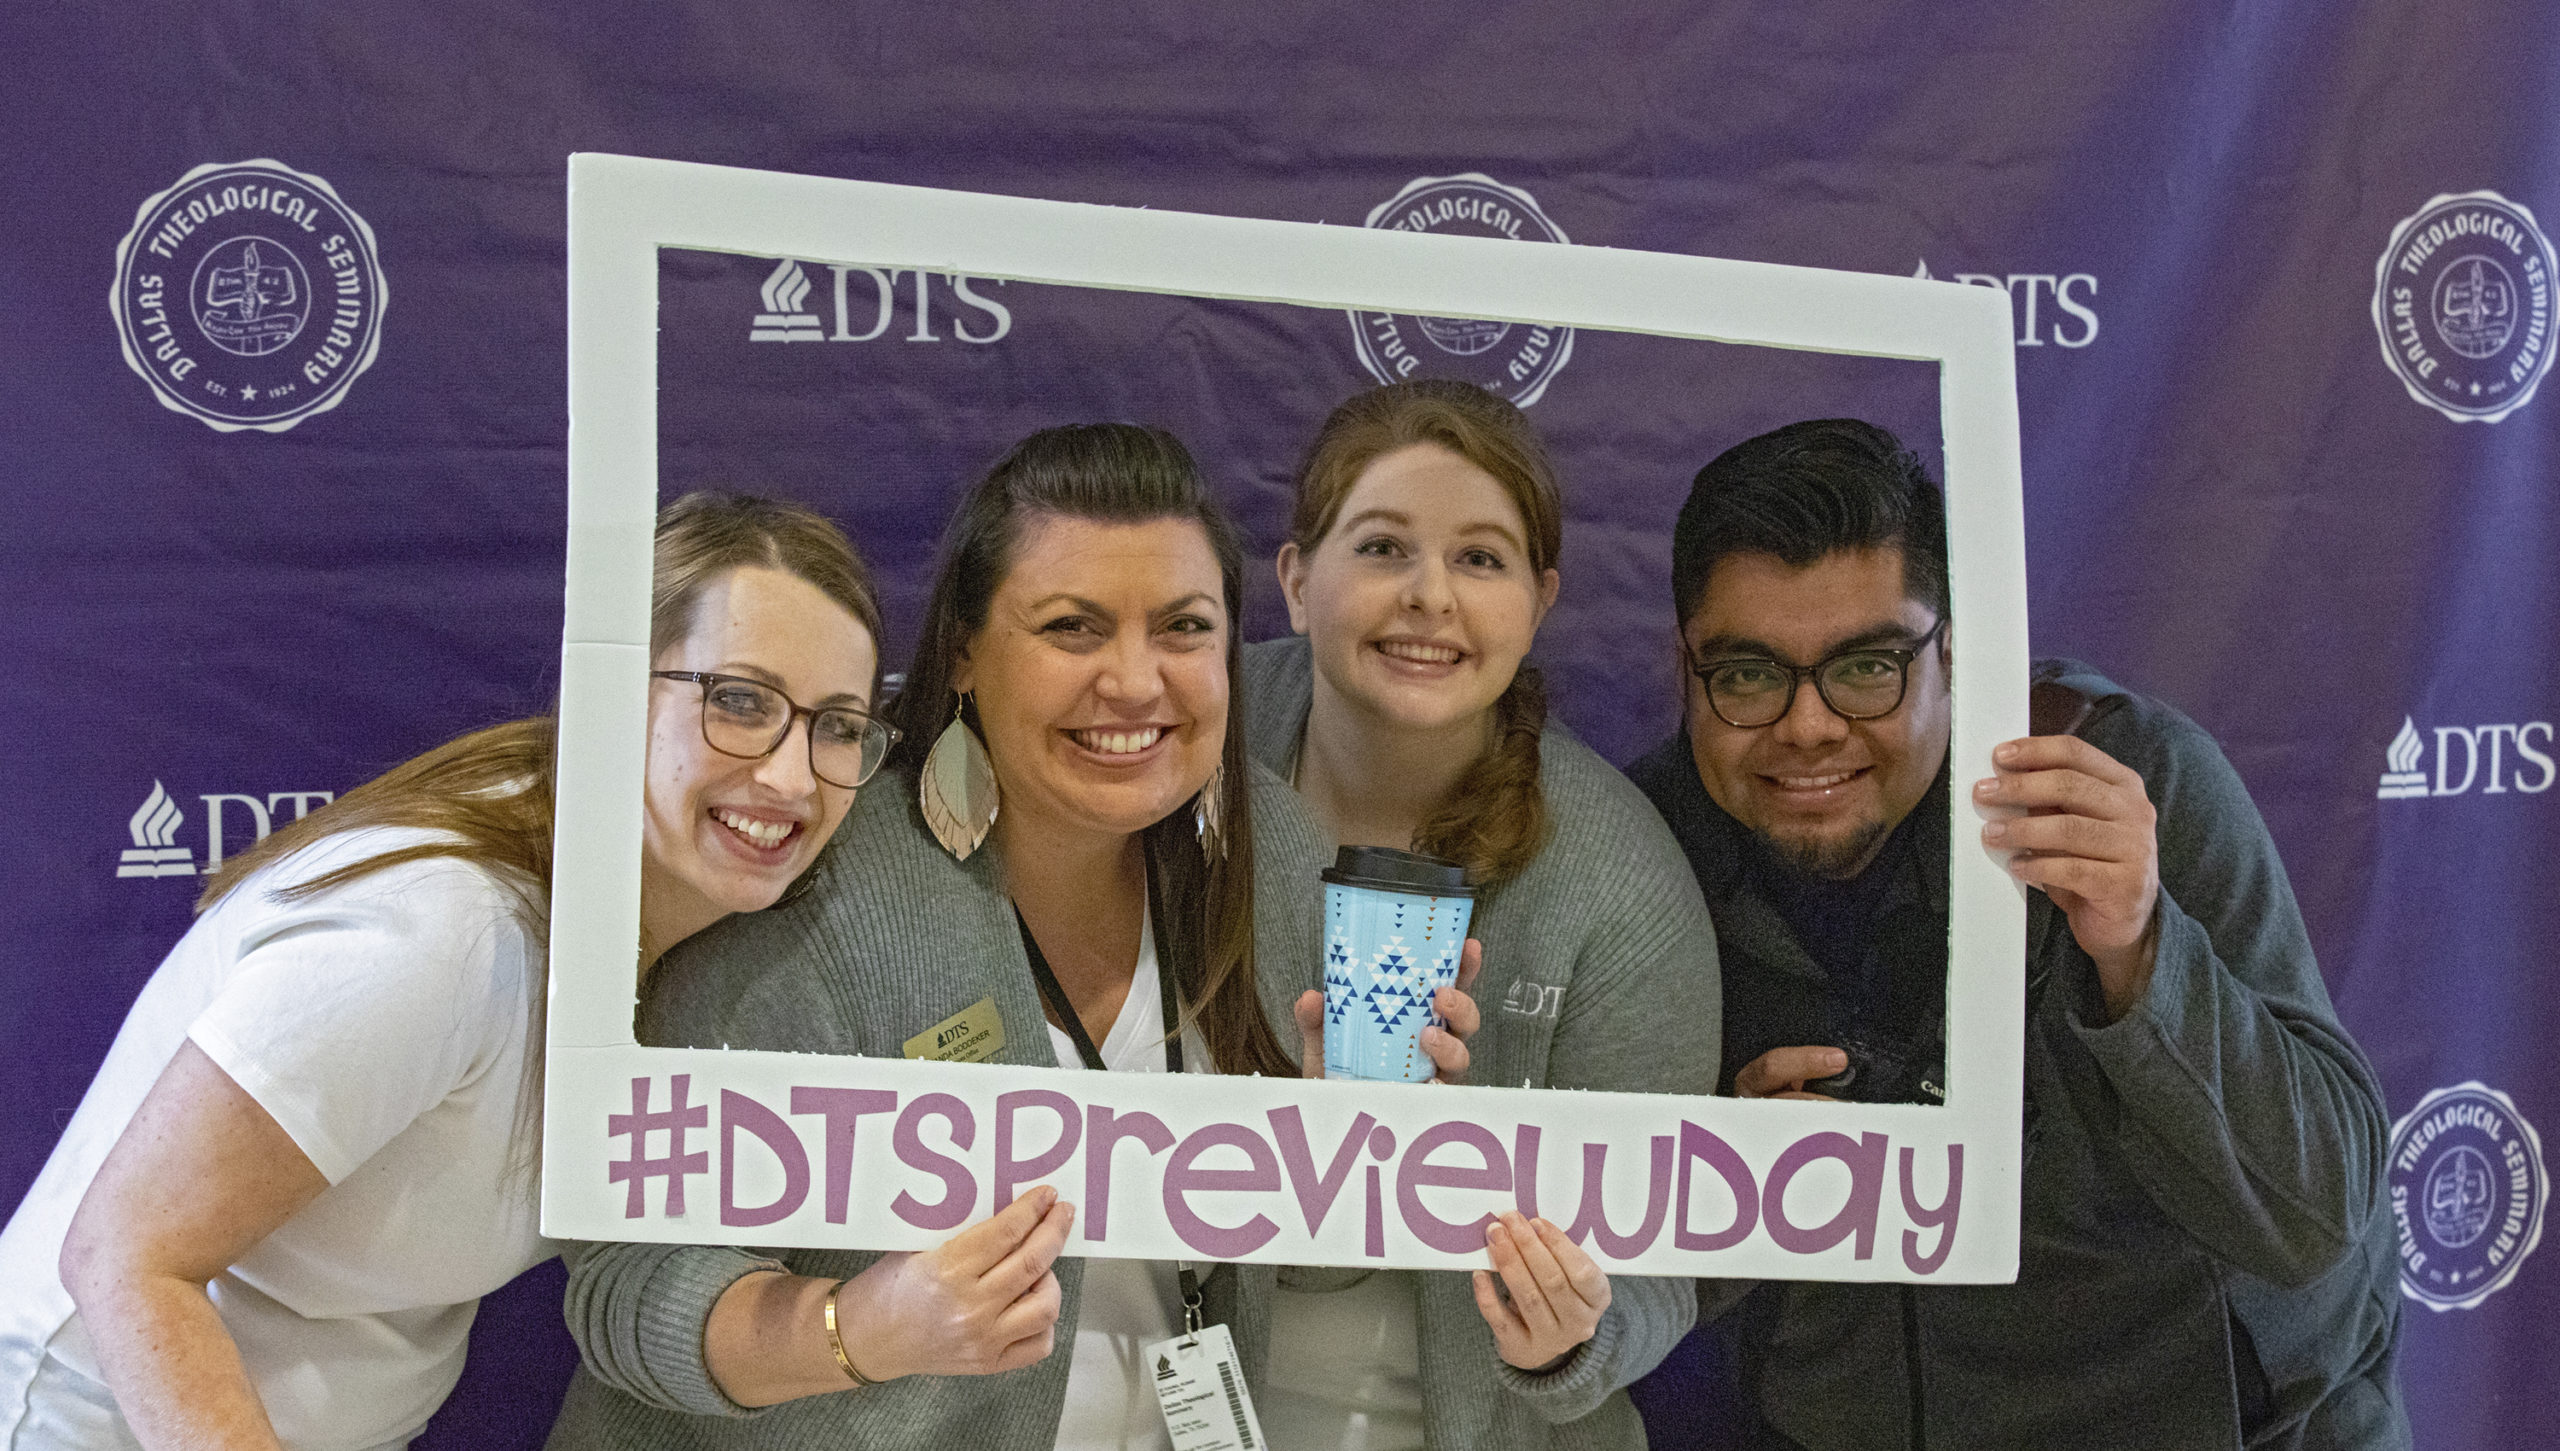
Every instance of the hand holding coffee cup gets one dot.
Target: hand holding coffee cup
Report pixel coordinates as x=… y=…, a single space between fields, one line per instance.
x=1397 y=966
x=1445 y=1045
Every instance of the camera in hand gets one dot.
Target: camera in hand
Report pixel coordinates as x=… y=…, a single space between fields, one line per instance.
x=1886 y=1069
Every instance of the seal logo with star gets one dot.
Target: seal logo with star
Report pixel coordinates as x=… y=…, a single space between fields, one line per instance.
x=249 y=296
x=2462 y=302
x=1509 y=359
x=2467 y=1192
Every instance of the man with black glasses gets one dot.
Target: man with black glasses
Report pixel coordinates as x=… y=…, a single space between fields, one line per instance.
x=2204 y=1256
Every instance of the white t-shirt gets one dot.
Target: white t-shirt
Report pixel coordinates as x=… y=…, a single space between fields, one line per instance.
x=1126 y=1304
x=383 y=1025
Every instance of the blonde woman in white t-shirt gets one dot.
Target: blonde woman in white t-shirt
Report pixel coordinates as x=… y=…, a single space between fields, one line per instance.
x=310 y=1150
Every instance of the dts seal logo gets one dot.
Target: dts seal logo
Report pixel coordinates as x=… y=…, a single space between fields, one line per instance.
x=1512 y=360
x=2462 y=299
x=2467 y=1190
x=248 y=296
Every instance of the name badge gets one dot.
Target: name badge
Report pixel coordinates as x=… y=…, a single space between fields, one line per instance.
x=972 y=1035
x=1207 y=1406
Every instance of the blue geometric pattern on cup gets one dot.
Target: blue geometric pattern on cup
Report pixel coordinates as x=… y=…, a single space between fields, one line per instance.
x=1386 y=954
x=1396 y=987
x=1339 y=989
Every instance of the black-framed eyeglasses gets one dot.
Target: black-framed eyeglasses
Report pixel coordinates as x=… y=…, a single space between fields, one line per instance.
x=748 y=719
x=1866 y=683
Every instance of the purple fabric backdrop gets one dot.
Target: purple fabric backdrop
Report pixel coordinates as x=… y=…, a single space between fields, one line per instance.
x=2208 y=219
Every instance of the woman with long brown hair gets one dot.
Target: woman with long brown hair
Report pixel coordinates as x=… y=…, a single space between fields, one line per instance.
x=311 y=1148
x=1074 y=839
x=1421 y=561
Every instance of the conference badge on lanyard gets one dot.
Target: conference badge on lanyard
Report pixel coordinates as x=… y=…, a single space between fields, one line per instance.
x=1206 y=1405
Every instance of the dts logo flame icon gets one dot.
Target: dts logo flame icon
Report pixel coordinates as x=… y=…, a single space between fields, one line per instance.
x=155 y=827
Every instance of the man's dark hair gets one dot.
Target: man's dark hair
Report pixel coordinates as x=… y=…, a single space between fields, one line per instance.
x=1804 y=491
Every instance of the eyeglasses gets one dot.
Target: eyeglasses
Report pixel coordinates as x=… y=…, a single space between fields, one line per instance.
x=1862 y=684
x=748 y=719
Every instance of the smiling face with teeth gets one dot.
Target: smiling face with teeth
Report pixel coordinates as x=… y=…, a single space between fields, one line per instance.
x=1421 y=600
x=721 y=834
x=1101 y=676
x=1820 y=790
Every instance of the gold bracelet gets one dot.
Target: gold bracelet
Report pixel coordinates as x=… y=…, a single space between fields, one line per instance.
x=835 y=1342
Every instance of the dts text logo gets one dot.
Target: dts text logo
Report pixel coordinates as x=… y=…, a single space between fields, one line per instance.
x=2049 y=307
x=864 y=302
x=2495 y=758
x=157 y=852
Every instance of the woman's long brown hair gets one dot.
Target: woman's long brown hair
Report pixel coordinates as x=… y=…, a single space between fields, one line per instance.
x=489 y=793
x=1120 y=473
x=1495 y=818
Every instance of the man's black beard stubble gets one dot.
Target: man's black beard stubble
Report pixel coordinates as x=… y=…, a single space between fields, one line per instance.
x=1834 y=861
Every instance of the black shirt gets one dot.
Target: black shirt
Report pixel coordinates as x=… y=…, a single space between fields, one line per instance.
x=1859 y=963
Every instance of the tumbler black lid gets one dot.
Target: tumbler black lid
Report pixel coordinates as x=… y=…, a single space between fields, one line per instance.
x=1384 y=869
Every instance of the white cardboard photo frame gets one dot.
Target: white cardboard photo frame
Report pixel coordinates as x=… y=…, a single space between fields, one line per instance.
x=1260 y=1169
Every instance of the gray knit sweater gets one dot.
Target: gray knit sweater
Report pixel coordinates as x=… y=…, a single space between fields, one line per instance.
x=1599 y=973
x=892 y=936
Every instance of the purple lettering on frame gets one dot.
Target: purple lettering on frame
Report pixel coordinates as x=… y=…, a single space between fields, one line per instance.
x=737 y=1111
x=1942 y=1218
x=1704 y=1146
x=960 y=1190
x=674 y=1122
x=843 y=1108
x=1416 y=1173
x=1316 y=1192
x=1182 y=1178
x=1593 y=1217
x=1103 y=1132
x=1864 y=1158
x=1011 y=1171
x=1524 y=1168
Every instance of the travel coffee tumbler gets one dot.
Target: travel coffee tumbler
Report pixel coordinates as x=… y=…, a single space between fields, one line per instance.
x=1394 y=924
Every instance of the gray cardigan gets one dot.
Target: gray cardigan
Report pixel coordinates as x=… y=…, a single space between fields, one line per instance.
x=892 y=935
x=1599 y=973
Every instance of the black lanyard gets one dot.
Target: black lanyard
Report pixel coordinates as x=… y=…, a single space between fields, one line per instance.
x=1054 y=993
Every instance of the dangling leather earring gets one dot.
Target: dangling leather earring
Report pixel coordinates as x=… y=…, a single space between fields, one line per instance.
x=958 y=791
x=1208 y=815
